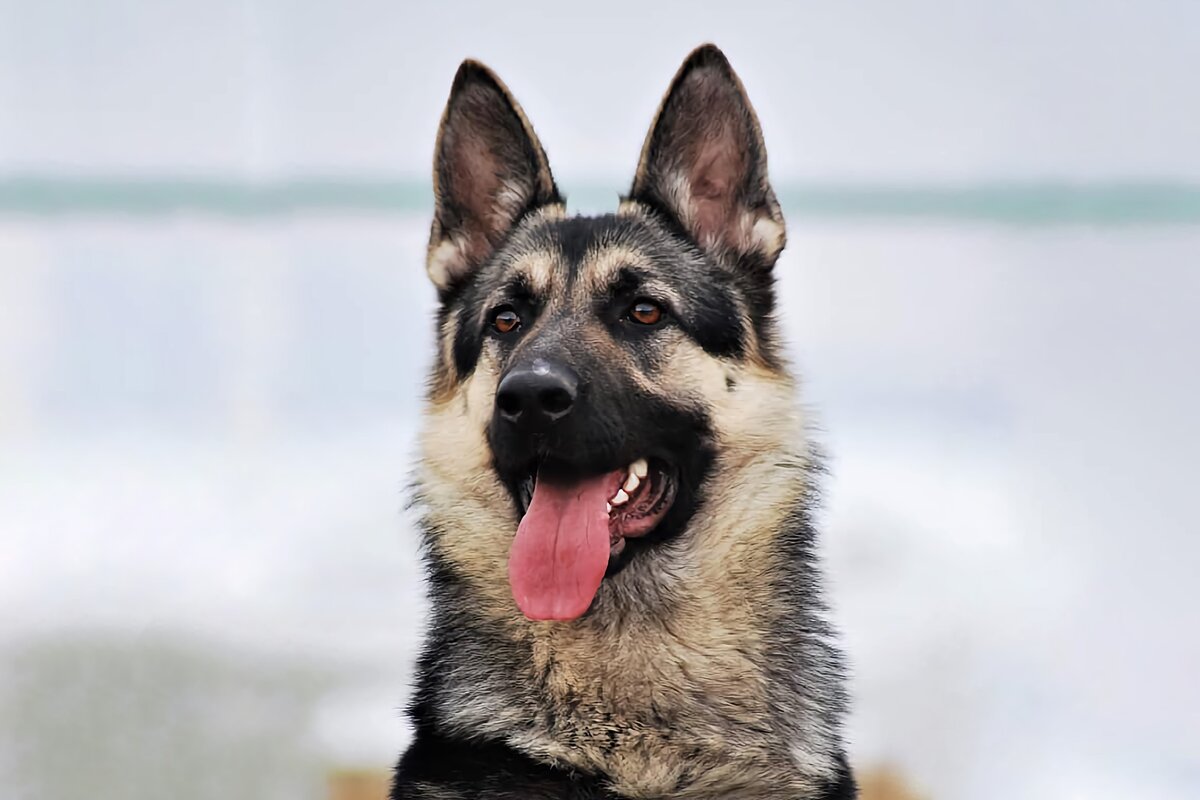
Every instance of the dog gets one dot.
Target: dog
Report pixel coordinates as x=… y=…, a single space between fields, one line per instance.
x=615 y=487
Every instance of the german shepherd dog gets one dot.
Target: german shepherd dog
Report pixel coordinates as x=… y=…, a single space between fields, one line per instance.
x=615 y=485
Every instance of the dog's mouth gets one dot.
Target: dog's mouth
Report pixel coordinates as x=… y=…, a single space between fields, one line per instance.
x=572 y=529
x=644 y=493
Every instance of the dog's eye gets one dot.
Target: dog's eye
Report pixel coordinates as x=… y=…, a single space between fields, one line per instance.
x=505 y=320
x=645 y=312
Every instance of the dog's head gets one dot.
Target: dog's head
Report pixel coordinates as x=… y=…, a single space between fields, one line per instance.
x=594 y=373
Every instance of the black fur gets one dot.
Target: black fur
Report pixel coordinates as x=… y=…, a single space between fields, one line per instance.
x=437 y=768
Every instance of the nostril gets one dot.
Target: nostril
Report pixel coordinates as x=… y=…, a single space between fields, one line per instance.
x=509 y=404
x=556 y=400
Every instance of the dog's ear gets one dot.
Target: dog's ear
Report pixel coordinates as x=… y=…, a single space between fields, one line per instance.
x=488 y=171
x=704 y=164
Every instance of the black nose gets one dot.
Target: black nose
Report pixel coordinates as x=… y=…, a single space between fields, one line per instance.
x=537 y=395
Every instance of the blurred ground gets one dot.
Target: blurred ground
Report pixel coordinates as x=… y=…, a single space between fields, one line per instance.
x=882 y=784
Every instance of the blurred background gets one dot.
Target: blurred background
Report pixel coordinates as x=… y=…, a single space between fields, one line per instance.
x=214 y=327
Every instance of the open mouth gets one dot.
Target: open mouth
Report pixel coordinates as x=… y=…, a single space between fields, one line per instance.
x=572 y=529
x=643 y=494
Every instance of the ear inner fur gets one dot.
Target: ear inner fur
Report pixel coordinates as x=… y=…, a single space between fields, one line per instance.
x=704 y=164
x=489 y=171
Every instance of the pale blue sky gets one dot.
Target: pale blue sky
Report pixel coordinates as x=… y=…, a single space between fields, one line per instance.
x=872 y=90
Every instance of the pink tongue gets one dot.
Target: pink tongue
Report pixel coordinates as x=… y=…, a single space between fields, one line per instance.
x=560 y=552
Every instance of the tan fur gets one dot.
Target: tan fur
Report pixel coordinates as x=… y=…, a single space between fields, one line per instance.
x=600 y=266
x=540 y=267
x=466 y=500
x=539 y=270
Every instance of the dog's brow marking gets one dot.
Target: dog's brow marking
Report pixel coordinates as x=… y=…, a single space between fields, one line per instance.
x=540 y=269
x=603 y=266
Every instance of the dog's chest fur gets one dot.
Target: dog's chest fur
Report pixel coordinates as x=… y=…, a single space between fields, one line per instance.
x=664 y=706
x=659 y=714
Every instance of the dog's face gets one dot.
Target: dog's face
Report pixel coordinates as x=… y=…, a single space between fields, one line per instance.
x=592 y=370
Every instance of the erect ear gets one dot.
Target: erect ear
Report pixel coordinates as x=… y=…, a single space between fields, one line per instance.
x=489 y=170
x=704 y=164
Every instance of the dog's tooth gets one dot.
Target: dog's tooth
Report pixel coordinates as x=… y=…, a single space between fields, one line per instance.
x=608 y=508
x=631 y=483
x=620 y=497
x=640 y=468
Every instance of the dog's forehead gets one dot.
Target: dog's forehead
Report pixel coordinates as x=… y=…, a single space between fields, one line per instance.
x=583 y=254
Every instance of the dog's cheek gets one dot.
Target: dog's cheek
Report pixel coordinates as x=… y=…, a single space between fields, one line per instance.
x=679 y=368
x=757 y=411
x=750 y=409
x=468 y=510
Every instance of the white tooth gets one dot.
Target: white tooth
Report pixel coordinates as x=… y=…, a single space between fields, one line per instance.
x=631 y=483
x=640 y=468
x=608 y=508
x=620 y=497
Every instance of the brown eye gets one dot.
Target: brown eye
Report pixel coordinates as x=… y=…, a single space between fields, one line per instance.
x=646 y=313
x=506 y=320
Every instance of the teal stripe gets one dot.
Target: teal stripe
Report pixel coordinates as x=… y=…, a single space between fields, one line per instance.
x=1020 y=204
x=1013 y=203
x=39 y=196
